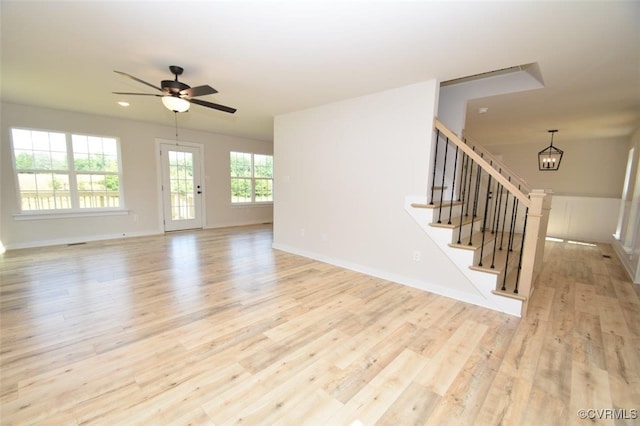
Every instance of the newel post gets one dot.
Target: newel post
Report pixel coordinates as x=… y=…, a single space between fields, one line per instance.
x=533 y=241
x=544 y=223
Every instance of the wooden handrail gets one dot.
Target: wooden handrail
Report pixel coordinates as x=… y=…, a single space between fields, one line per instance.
x=522 y=197
x=524 y=186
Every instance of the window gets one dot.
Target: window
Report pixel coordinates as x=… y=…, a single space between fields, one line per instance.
x=65 y=172
x=251 y=178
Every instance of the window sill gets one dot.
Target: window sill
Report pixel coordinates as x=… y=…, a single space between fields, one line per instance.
x=66 y=215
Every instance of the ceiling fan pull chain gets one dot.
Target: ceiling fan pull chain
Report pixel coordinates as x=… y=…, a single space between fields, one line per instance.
x=176 y=120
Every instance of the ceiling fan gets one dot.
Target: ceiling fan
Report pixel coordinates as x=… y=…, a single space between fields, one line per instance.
x=176 y=95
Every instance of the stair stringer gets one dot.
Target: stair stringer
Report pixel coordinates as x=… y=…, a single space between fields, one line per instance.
x=484 y=282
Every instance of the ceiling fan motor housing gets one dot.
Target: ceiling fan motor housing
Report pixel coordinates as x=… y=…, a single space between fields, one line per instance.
x=173 y=87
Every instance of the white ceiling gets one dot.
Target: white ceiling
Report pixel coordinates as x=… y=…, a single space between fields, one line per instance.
x=267 y=58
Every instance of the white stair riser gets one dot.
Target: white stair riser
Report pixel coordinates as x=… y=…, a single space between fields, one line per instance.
x=485 y=282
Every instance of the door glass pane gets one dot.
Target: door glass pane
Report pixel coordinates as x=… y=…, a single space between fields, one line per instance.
x=181 y=185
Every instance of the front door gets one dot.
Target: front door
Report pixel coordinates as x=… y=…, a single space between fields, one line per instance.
x=181 y=186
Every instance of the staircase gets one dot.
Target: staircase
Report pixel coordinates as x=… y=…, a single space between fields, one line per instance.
x=486 y=219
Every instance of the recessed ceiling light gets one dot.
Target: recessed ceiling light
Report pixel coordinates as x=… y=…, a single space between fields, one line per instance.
x=483 y=110
x=123 y=103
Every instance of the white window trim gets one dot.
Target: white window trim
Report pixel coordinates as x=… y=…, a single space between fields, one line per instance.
x=59 y=214
x=253 y=179
x=73 y=190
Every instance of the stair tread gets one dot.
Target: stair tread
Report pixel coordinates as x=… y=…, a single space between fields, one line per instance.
x=455 y=222
x=445 y=203
x=498 y=261
x=509 y=294
x=510 y=285
x=476 y=241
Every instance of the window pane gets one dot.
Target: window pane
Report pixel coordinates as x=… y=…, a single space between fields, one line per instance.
x=61 y=192
x=110 y=163
x=240 y=164
x=264 y=190
x=28 y=191
x=21 y=139
x=24 y=160
x=40 y=141
x=36 y=150
x=44 y=191
x=109 y=147
x=240 y=190
x=89 y=153
x=79 y=144
x=58 y=142
x=81 y=162
x=59 y=160
x=263 y=166
x=95 y=145
x=98 y=190
x=42 y=160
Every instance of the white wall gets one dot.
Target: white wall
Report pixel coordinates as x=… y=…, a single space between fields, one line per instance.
x=452 y=107
x=137 y=142
x=627 y=245
x=342 y=172
x=586 y=219
x=589 y=168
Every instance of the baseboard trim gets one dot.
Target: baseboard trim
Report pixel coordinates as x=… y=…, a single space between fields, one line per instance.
x=232 y=224
x=477 y=300
x=81 y=239
x=623 y=256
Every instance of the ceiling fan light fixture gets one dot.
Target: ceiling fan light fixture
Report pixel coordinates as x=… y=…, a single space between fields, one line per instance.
x=176 y=104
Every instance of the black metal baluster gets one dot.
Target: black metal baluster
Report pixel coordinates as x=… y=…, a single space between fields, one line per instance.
x=453 y=184
x=514 y=215
x=463 y=175
x=435 y=163
x=496 y=209
x=464 y=191
x=475 y=202
x=504 y=218
x=487 y=204
x=469 y=186
x=444 y=172
x=524 y=232
x=495 y=239
x=477 y=192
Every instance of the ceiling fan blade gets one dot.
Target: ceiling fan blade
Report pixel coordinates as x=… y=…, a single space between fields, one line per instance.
x=137 y=94
x=212 y=105
x=137 y=79
x=198 y=91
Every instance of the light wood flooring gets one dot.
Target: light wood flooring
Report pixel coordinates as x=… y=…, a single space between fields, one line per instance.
x=216 y=327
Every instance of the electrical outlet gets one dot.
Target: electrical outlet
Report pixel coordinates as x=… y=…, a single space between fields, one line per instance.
x=417 y=256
